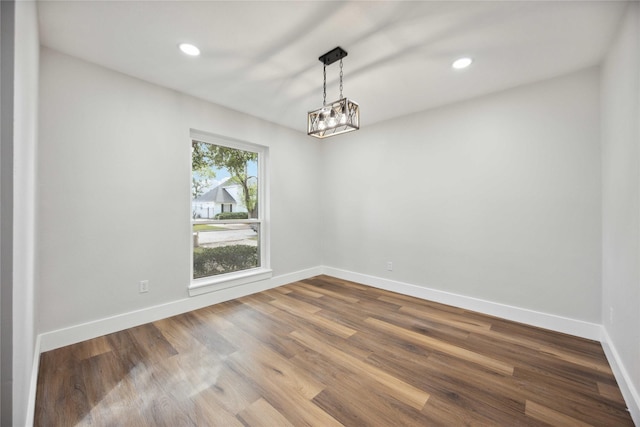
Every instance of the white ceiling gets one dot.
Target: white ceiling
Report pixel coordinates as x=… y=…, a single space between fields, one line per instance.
x=261 y=57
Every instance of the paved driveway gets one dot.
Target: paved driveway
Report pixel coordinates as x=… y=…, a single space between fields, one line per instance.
x=231 y=236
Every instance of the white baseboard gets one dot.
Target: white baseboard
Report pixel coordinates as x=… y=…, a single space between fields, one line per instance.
x=629 y=392
x=74 y=334
x=66 y=336
x=522 y=315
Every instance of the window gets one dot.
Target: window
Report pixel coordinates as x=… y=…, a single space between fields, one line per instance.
x=229 y=206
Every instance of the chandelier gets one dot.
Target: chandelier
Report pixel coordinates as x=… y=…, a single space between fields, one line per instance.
x=335 y=117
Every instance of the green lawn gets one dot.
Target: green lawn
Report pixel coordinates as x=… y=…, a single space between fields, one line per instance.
x=207 y=227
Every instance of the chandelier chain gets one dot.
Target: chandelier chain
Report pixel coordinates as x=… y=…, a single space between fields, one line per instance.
x=340 y=78
x=324 y=86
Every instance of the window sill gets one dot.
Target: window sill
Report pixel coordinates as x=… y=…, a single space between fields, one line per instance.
x=217 y=283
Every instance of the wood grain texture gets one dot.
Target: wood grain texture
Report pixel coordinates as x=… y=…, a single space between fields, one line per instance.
x=328 y=352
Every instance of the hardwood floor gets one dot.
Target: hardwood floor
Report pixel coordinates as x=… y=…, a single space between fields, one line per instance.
x=327 y=352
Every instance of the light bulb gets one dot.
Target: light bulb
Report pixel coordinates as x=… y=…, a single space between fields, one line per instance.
x=332 y=120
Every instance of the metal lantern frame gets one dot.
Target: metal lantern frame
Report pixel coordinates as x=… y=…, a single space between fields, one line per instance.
x=337 y=117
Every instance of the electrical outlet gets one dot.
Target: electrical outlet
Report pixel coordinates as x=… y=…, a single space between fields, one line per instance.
x=389 y=266
x=144 y=286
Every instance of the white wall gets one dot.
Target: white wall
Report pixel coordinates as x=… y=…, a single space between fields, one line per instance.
x=119 y=148
x=25 y=140
x=621 y=200
x=497 y=198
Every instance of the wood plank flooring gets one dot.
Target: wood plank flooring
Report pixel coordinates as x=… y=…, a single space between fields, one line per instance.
x=327 y=352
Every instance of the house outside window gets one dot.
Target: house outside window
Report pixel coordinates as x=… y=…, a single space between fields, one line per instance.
x=217 y=200
x=229 y=212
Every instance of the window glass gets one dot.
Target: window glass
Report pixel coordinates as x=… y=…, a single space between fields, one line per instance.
x=226 y=222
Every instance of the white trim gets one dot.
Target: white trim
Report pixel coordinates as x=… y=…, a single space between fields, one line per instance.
x=33 y=384
x=625 y=382
x=230 y=280
x=73 y=334
x=225 y=141
x=522 y=315
x=200 y=286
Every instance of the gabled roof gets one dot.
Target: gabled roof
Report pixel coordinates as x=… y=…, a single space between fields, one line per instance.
x=218 y=194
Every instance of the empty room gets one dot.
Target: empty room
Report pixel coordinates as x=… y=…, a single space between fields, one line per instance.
x=320 y=213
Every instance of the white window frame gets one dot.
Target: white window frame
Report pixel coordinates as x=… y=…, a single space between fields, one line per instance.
x=223 y=281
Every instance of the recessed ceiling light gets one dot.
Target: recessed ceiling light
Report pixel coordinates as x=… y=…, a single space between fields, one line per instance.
x=189 y=49
x=461 y=63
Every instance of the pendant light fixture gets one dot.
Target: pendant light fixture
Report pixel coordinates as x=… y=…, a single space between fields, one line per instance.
x=336 y=117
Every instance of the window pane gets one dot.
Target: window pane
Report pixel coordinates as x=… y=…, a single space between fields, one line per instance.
x=224 y=186
x=224 y=248
x=223 y=180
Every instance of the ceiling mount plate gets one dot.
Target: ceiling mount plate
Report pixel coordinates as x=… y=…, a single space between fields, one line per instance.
x=333 y=56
